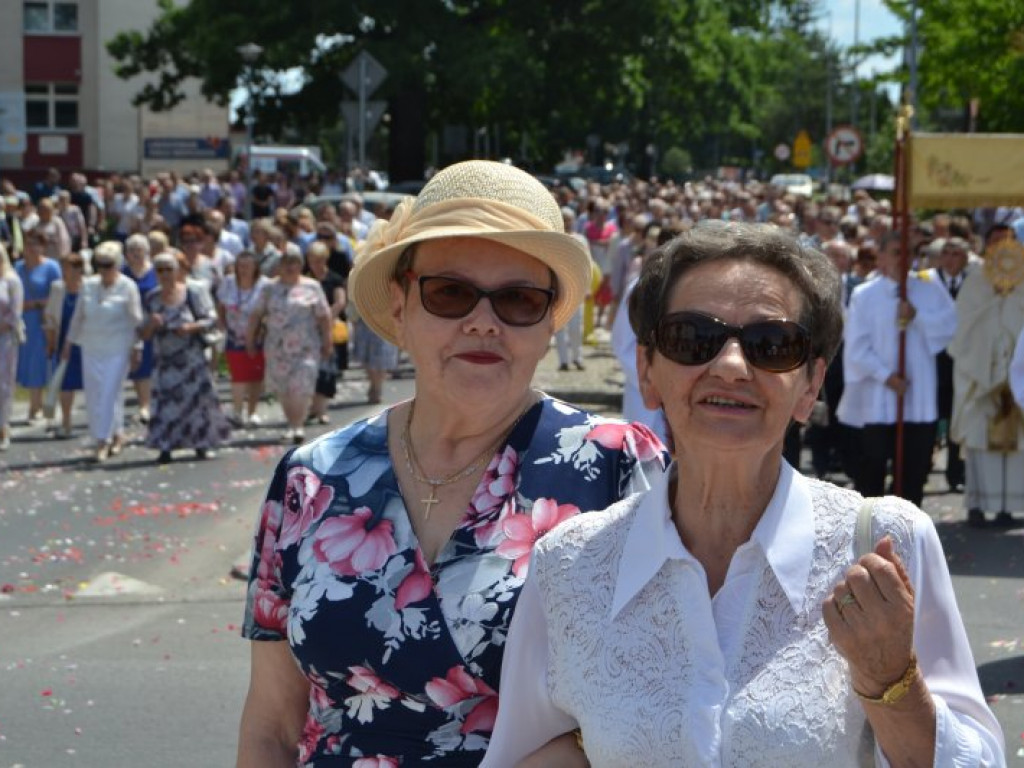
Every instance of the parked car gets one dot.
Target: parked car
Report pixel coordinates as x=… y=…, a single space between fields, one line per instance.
x=797 y=183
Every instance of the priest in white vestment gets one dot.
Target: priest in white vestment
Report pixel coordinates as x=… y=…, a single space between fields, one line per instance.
x=986 y=421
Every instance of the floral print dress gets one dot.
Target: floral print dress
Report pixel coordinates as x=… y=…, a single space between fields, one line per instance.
x=404 y=659
x=292 y=316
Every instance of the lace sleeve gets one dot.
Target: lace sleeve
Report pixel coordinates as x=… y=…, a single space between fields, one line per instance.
x=527 y=718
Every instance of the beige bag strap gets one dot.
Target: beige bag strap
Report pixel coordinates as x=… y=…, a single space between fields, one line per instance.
x=862 y=541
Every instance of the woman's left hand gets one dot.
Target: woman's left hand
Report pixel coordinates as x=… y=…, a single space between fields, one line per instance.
x=870 y=619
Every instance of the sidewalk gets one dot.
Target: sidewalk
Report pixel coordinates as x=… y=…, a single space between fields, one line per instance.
x=597 y=388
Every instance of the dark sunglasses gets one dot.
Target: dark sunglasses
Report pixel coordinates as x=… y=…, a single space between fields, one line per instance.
x=164 y=269
x=451 y=298
x=694 y=338
x=76 y=264
x=104 y=265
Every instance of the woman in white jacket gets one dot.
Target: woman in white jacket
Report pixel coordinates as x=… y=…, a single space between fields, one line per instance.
x=104 y=325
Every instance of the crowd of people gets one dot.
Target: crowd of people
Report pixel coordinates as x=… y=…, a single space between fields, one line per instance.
x=963 y=312
x=164 y=283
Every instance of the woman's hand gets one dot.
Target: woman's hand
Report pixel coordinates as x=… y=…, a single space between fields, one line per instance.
x=187 y=329
x=65 y=353
x=870 y=619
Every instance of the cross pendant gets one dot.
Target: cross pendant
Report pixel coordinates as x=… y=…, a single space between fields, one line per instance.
x=430 y=501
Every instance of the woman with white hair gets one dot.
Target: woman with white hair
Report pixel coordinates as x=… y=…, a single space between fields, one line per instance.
x=11 y=296
x=137 y=266
x=106 y=317
x=186 y=411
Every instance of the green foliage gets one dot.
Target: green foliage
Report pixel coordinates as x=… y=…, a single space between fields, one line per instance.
x=970 y=49
x=713 y=78
x=676 y=162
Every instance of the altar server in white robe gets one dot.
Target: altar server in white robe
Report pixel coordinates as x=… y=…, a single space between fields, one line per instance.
x=870 y=363
x=986 y=421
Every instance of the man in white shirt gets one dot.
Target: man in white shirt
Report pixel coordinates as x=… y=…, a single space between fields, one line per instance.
x=870 y=355
x=224 y=239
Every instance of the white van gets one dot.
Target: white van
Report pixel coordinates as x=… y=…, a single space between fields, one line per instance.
x=299 y=161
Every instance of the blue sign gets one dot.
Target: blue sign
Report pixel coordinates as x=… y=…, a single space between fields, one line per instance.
x=184 y=148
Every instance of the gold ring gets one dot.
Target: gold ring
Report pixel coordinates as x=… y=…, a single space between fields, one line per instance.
x=847 y=599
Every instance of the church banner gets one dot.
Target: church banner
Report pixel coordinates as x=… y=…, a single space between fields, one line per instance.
x=966 y=170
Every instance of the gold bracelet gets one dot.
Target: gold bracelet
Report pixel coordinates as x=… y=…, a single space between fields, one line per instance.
x=897 y=690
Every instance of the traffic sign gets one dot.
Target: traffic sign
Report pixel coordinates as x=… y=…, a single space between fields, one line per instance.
x=844 y=145
x=374 y=112
x=366 y=71
x=782 y=152
x=802 y=150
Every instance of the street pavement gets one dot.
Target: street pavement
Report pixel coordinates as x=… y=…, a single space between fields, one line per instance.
x=119 y=616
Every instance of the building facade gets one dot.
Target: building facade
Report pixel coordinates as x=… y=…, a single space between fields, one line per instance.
x=75 y=112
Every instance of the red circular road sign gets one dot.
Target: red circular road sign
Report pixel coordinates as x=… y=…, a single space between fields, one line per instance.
x=844 y=145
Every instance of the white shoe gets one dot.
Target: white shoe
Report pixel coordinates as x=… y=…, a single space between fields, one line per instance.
x=5 y=442
x=254 y=420
x=289 y=435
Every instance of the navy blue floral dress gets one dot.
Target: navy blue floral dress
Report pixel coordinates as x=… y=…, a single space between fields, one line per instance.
x=404 y=660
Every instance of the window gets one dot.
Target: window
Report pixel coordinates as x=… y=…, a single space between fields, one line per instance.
x=51 y=106
x=47 y=16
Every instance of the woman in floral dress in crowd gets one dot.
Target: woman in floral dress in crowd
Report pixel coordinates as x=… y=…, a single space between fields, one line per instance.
x=390 y=554
x=186 y=412
x=10 y=324
x=298 y=326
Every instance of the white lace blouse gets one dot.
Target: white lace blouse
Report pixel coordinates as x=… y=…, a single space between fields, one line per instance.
x=616 y=633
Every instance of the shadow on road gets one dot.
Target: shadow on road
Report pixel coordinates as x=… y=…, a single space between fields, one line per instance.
x=1003 y=678
x=993 y=552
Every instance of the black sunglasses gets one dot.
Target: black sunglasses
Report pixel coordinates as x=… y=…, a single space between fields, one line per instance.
x=694 y=338
x=104 y=264
x=451 y=298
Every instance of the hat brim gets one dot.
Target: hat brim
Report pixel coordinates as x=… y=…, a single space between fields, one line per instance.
x=371 y=277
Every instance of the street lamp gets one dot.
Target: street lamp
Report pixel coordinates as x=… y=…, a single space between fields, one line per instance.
x=249 y=52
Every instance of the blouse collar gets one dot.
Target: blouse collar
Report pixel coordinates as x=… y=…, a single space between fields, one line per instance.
x=785 y=535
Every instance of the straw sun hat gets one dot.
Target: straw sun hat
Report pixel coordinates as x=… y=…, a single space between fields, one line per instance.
x=477 y=198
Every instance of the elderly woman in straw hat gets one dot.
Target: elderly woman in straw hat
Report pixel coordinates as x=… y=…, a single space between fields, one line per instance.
x=389 y=555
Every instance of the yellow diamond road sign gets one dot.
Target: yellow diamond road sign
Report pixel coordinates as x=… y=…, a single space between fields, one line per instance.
x=802 y=150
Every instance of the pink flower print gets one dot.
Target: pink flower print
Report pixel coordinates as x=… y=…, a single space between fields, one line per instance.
x=349 y=548
x=498 y=484
x=482 y=716
x=380 y=761
x=458 y=685
x=523 y=530
x=374 y=693
x=364 y=680
x=269 y=557
x=636 y=438
x=311 y=735
x=306 y=498
x=416 y=586
x=269 y=610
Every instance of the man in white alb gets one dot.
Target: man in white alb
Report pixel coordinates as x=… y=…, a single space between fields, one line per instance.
x=870 y=365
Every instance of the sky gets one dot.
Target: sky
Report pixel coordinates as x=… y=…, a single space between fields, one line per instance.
x=875 y=21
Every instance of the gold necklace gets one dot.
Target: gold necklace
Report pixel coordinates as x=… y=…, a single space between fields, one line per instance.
x=412 y=462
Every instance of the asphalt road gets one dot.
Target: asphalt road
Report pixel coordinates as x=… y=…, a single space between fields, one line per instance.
x=119 y=619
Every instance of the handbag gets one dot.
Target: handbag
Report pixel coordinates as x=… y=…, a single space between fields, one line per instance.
x=211 y=337
x=339 y=332
x=53 y=389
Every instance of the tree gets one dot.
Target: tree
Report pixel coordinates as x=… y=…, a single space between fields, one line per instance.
x=970 y=49
x=543 y=76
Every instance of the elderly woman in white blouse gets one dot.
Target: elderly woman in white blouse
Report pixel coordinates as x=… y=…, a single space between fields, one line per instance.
x=733 y=615
x=104 y=325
